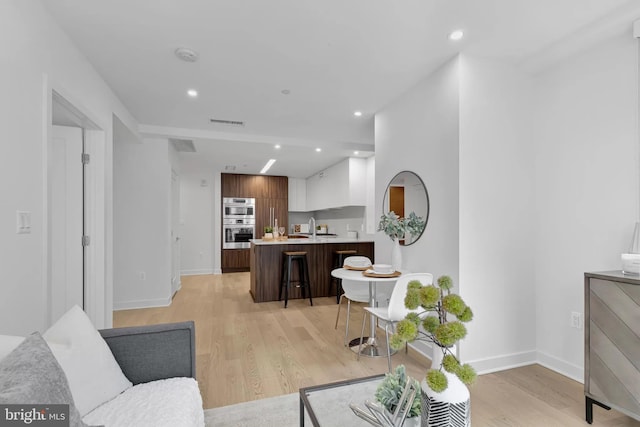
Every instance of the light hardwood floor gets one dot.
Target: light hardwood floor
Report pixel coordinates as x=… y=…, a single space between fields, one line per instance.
x=248 y=351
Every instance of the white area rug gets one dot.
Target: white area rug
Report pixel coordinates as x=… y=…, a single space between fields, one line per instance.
x=281 y=411
x=331 y=407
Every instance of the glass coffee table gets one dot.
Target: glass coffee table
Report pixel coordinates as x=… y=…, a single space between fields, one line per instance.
x=328 y=404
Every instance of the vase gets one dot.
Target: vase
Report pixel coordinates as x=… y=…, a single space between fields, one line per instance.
x=396 y=256
x=451 y=407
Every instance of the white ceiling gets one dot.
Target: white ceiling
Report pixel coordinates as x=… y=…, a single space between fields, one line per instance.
x=334 y=56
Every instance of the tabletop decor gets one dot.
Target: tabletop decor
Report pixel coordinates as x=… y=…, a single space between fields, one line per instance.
x=405 y=397
x=398 y=228
x=444 y=391
x=390 y=391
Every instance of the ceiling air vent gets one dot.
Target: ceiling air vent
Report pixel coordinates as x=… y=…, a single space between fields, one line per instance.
x=229 y=168
x=226 y=122
x=183 y=145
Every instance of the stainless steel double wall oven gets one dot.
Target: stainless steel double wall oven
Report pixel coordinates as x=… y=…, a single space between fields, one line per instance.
x=239 y=222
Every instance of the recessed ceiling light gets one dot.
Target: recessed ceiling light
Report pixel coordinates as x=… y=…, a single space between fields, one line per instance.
x=318 y=149
x=277 y=146
x=456 y=35
x=192 y=93
x=357 y=113
x=268 y=165
x=285 y=91
x=356 y=153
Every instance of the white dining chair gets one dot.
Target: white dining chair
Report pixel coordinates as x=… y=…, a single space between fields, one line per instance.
x=352 y=290
x=395 y=311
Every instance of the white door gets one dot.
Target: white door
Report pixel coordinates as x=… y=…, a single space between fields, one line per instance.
x=67 y=287
x=175 y=232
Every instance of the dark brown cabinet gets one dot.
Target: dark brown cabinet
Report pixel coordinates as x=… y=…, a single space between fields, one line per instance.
x=235 y=260
x=271 y=193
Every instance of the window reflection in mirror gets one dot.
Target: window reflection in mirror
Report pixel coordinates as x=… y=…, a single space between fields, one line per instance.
x=407 y=194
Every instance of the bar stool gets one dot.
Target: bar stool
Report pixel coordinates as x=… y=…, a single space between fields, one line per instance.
x=300 y=257
x=338 y=262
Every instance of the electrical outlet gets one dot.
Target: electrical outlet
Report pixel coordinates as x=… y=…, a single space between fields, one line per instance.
x=576 y=319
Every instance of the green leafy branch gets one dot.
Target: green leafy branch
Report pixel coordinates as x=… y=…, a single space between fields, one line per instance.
x=437 y=302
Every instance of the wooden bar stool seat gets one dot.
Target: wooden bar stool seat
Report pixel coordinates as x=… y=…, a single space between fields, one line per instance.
x=302 y=281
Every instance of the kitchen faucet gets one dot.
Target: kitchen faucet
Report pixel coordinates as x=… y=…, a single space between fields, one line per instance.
x=313 y=220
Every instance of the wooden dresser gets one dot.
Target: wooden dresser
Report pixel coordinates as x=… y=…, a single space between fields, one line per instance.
x=612 y=343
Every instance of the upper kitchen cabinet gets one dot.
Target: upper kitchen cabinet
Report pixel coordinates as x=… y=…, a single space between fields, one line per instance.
x=256 y=186
x=297 y=195
x=342 y=184
x=238 y=185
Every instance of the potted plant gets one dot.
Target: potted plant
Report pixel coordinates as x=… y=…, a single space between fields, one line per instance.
x=439 y=319
x=390 y=391
x=398 y=228
x=268 y=232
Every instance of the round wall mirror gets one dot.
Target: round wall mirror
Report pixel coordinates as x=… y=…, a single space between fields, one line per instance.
x=407 y=196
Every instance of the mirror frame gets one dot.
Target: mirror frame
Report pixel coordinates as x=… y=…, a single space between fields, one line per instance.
x=426 y=192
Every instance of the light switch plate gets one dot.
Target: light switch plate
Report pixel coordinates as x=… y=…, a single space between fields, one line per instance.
x=23 y=222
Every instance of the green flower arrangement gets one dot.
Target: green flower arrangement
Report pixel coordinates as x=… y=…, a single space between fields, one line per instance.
x=390 y=390
x=436 y=328
x=397 y=228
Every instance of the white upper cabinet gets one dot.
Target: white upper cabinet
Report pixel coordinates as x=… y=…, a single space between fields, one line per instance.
x=297 y=195
x=343 y=184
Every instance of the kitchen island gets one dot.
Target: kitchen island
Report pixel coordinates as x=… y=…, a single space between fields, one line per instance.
x=265 y=259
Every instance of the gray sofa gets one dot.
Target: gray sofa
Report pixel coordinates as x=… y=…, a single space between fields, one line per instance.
x=155 y=352
x=158 y=361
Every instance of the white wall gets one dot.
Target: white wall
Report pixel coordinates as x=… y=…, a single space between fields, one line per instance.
x=201 y=212
x=586 y=162
x=37 y=57
x=196 y=222
x=548 y=170
x=419 y=132
x=497 y=272
x=141 y=229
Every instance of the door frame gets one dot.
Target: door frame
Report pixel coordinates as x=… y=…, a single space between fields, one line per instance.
x=96 y=280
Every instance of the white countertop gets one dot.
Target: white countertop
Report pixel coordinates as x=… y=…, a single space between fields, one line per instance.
x=310 y=241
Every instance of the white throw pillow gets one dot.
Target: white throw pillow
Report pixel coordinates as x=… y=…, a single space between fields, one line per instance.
x=8 y=343
x=94 y=375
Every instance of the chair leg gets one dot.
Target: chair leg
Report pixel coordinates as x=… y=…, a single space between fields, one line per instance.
x=339 y=305
x=386 y=331
x=364 y=318
x=306 y=278
x=288 y=285
x=346 y=329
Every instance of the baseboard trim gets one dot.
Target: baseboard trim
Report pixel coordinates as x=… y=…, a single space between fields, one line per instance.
x=150 y=303
x=509 y=361
x=197 y=272
x=562 y=367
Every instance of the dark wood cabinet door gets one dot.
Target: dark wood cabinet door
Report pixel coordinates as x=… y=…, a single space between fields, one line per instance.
x=235 y=260
x=278 y=187
x=264 y=208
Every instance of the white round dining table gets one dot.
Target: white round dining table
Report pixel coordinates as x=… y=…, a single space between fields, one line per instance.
x=371 y=347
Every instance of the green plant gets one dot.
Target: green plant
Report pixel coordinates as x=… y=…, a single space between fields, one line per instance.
x=397 y=228
x=414 y=224
x=268 y=229
x=437 y=303
x=390 y=390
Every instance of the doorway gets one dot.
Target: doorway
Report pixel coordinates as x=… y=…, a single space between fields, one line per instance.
x=71 y=211
x=66 y=178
